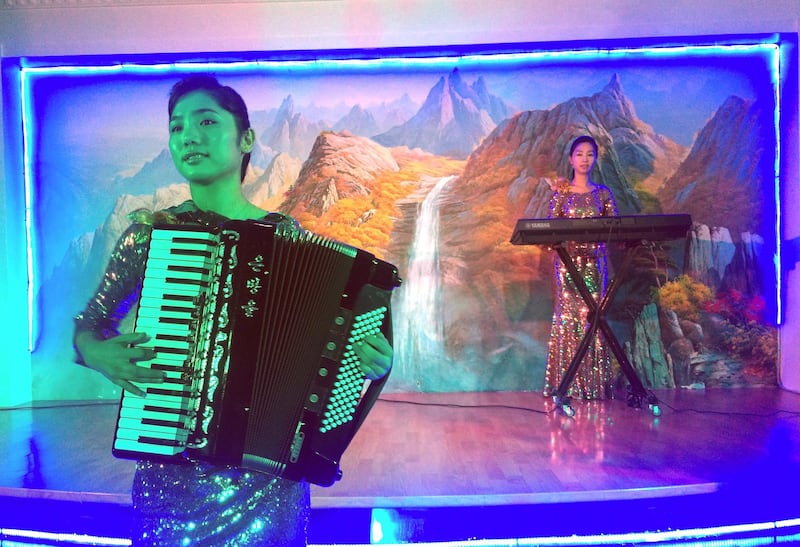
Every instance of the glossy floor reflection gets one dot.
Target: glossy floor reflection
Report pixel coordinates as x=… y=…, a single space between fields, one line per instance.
x=713 y=457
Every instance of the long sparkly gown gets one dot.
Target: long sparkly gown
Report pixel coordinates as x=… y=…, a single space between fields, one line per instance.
x=196 y=503
x=594 y=377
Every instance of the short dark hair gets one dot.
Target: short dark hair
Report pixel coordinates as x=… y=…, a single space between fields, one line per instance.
x=226 y=97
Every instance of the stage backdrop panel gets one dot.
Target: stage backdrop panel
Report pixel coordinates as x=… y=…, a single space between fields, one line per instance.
x=428 y=165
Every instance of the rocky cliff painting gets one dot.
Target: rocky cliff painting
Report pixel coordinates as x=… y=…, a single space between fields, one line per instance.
x=430 y=170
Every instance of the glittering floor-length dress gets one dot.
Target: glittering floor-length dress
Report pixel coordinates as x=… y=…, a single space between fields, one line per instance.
x=195 y=503
x=594 y=377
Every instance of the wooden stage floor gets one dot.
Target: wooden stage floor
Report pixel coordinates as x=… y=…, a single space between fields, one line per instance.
x=450 y=450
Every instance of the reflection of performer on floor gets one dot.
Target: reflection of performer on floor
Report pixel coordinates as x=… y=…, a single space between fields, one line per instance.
x=198 y=503
x=579 y=198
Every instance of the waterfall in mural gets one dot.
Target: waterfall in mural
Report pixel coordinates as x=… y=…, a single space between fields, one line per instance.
x=418 y=325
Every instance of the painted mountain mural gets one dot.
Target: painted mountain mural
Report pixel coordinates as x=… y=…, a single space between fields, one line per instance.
x=291 y=132
x=438 y=195
x=453 y=120
x=727 y=156
x=494 y=313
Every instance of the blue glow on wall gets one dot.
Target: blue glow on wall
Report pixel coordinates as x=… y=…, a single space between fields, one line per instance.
x=35 y=72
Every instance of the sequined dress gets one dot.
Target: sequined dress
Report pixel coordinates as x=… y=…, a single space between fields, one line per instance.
x=196 y=503
x=594 y=377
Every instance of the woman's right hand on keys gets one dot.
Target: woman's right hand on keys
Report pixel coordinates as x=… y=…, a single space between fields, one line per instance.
x=116 y=358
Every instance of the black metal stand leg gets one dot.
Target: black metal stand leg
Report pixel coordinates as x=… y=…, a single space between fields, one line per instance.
x=562 y=399
x=597 y=320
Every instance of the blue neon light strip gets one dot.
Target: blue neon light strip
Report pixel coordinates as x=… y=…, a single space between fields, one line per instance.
x=390 y=61
x=781 y=530
x=758 y=533
x=30 y=243
x=777 y=260
x=365 y=60
x=9 y=534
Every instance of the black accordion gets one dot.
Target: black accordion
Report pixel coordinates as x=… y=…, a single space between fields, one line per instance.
x=254 y=326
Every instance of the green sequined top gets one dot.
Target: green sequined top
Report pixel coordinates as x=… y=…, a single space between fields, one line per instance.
x=192 y=503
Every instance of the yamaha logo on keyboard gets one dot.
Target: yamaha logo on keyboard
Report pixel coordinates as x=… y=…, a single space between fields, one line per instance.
x=536 y=225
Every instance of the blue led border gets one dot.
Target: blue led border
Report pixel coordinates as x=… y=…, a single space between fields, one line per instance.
x=399 y=58
x=758 y=533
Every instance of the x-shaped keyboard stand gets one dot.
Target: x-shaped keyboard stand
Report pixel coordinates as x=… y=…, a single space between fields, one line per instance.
x=597 y=320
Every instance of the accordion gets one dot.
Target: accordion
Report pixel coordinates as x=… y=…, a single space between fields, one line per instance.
x=254 y=327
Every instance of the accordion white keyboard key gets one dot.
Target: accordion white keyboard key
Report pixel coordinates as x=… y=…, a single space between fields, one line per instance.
x=177 y=272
